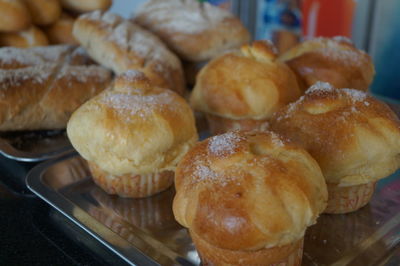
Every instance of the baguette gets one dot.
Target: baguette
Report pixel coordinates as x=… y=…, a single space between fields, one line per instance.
x=14 y=16
x=80 y=6
x=33 y=36
x=40 y=89
x=121 y=45
x=43 y=12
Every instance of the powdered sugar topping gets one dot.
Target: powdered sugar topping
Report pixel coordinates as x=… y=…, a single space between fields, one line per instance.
x=320 y=87
x=355 y=95
x=225 y=144
x=276 y=140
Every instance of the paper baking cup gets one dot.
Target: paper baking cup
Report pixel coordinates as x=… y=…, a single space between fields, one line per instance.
x=219 y=125
x=132 y=186
x=348 y=199
x=288 y=255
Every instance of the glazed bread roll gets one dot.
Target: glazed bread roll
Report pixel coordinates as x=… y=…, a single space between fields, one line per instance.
x=30 y=37
x=43 y=12
x=61 y=31
x=133 y=135
x=80 y=6
x=195 y=31
x=121 y=45
x=14 y=16
x=334 y=60
x=354 y=138
x=245 y=86
x=40 y=90
x=247 y=198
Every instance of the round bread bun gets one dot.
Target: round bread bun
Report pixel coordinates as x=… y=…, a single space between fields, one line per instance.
x=133 y=128
x=43 y=12
x=354 y=137
x=195 y=31
x=335 y=60
x=61 y=31
x=248 y=191
x=245 y=84
x=14 y=16
x=80 y=6
x=33 y=36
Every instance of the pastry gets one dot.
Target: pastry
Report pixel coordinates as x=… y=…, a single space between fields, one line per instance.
x=14 y=16
x=30 y=37
x=43 y=12
x=61 y=31
x=80 y=6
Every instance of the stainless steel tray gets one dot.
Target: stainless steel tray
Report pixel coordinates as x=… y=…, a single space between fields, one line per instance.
x=34 y=146
x=144 y=232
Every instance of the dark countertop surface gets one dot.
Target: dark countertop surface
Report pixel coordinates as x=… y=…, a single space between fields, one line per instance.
x=32 y=233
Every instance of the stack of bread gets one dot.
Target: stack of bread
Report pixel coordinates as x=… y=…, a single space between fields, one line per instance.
x=28 y=23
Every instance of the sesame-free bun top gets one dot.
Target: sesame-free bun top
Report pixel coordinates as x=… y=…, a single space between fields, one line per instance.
x=133 y=127
x=248 y=190
x=335 y=60
x=195 y=31
x=354 y=137
x=245 y=84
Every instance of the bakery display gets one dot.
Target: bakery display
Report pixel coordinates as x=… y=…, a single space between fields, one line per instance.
x=14 y=16
x=195 y=31
x=354 y=138
x=335 y=60
x=60 y=32
x=133 y=135
x=42 y=86
x=80 y=6
x=247 y=198
x=30 y=37
x=43 y=12
x=242 y=89
x=121 y=45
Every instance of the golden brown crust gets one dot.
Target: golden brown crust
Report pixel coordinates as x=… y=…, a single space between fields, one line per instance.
x=335 y=60
x=29 y=37
x=61 y=31
x=14 y=16
x=80 y=6
x=195 y=31
x=133 y=128
x=218 y=125
x=222 y=180
x=354 y=137
x=41 y=87
x=247 y=84
x=121 y=45
x=43 y=12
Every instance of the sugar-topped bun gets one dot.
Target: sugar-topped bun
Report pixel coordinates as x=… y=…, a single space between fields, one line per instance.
x=335 y=60
x=247 y=194
x=195 y=31
x=245 y=84
x=354 y=137
x=133 y=128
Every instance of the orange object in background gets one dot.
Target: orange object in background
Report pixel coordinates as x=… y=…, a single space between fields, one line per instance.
x=327 y=18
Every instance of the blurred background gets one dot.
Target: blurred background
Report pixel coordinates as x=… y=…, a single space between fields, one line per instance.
x=371 y=24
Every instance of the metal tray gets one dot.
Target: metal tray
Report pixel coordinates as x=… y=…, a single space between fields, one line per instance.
x=144 y=232
x=34 y=146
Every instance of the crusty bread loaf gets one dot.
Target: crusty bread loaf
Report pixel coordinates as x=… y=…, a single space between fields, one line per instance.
x=354 y=137
x=61 y=31
x=121 y=45
x=195 y=31
x=14 y=16
x=248 y=194
x=82 y=6
x=334 y=60
x=41 y=88
x=43 y=12
x=247 y=84
x=30 y=37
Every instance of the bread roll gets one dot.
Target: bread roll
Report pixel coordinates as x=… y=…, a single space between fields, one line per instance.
x=244 y=86
x=354 y=138
x=334 y=60
x=121 y=45
x=80 y=6
x=195 y=31
x=30 y=37
x=43 y=12
x=14 y=16
x=61 y=31
x=247 y=198
x=133 y=136
x=40 y=93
